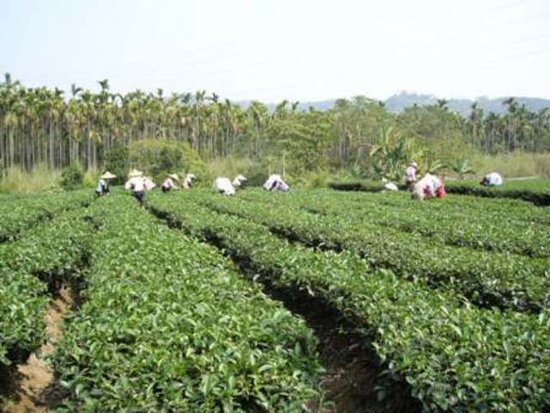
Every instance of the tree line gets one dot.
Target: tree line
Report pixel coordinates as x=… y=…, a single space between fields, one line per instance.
x=49 y=126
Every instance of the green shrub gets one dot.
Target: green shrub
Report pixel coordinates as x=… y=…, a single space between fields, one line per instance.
x=72 y=176
x=116 y=162
x=157 y=157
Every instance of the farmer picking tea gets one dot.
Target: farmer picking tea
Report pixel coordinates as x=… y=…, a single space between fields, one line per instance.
x=410 y=174
x=103 y=184
x=276 y=183
x=224 y=186
x=168 y=183
x=429 y=186
x=137 y=185
x=492 y=179
x=188 y=181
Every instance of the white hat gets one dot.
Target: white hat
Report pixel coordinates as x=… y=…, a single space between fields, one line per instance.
x=174 y=176
x=134 y=172
x=107 y=175
x=414 y=164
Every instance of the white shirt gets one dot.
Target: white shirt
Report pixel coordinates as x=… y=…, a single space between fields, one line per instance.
x=276 y=183
x=390 y=186
x=148 y=183
x=188 y=182
x=429 y=183
x=100 y=185
x=494 y=179
x=237 y=182
x=137 y=184
x=224 y=186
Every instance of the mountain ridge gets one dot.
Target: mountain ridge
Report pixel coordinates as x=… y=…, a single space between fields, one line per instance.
x=398 y=102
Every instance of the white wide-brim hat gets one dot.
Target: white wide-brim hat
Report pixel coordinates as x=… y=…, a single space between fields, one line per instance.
x=174 y=176
x=108 y=175
x=134 y=172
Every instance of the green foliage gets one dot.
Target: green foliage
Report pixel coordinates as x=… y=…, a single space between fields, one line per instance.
x=514 y=164
x=51 y=254
x=193 y=163
x=297 y=145
x=117 y=162
x=453 y=355
x=430 y=165
x=72 y=177
x=157 y=157
x=168 y=325
x=387 y=242
x=88 y=125
x=390 y=157
x=21 y=213
x=22 y=307
x=256 y=174
x=536 y=191
x=461 y=167
x=438 y=131
x=313 y=179
x=40 y=178
x=229 y=166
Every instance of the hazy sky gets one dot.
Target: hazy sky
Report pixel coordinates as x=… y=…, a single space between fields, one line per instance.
x=275 y=49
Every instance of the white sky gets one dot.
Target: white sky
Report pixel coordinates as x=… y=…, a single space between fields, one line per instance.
x=270 y=50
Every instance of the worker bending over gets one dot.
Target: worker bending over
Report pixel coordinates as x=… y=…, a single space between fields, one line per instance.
x=168 y=183
x=492 y=179
x=429 y=186
x=137 y=185
x=276 y=183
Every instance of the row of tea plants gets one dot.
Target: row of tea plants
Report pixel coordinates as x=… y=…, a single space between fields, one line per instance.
x=168 y=324
x=454 y=356
x=20 y=213
x=501 y=229
x=486 y=278
x=53 y=253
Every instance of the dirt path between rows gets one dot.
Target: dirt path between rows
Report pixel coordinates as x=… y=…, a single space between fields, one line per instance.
x=353 y=381
x=36 y=373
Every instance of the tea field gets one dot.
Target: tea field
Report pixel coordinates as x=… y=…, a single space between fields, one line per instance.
x=191 y=304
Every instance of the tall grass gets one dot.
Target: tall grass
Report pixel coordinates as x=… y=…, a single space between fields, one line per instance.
x=228 y=166
x=516 y=164
x=41 y=178
x=91 y=176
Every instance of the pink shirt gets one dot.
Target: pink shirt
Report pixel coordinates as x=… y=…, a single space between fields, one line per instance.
x=410 y=172
x=168 y=183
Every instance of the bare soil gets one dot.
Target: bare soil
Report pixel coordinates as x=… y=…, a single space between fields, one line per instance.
x=35 y=378
x=353 y=378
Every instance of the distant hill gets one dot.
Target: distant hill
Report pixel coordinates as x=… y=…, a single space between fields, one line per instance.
x=303 y=106
x=403 y=100
x=399 y=102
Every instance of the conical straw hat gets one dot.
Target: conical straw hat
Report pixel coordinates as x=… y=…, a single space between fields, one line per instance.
x=134 y=172
x=174 y=176
x=108 y=175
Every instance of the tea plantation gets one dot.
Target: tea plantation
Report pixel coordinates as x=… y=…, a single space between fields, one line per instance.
x=175 y=307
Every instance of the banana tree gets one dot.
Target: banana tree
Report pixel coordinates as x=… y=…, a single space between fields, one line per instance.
x=390 y=157
x=461 y=167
